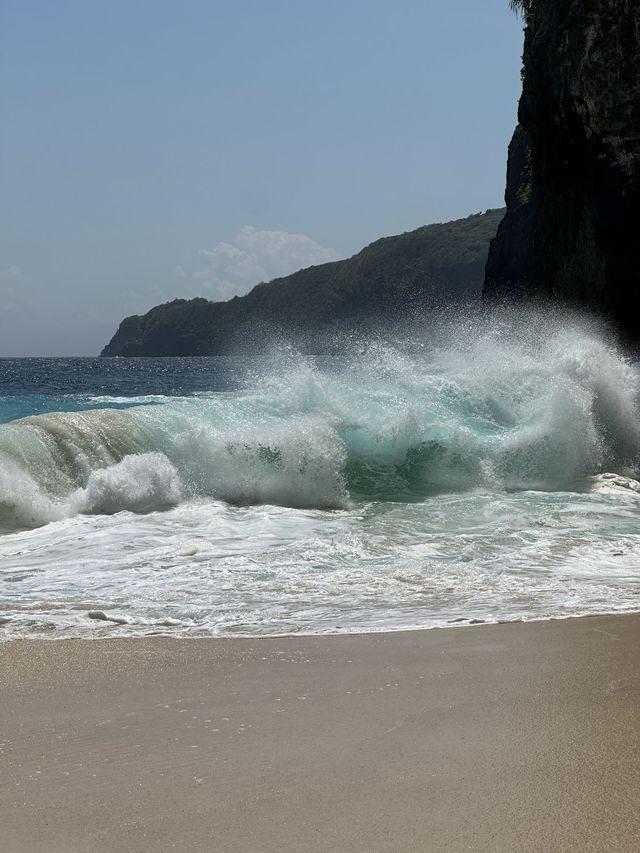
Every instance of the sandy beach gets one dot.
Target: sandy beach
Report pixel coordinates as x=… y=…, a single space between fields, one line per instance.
x=494 y=738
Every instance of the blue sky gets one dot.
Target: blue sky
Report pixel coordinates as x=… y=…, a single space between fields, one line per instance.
x=156 y=148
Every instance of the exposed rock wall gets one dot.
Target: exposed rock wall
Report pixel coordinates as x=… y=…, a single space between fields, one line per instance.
x=572 y=226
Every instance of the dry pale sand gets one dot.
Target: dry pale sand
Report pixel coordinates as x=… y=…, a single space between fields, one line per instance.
x=505 y=738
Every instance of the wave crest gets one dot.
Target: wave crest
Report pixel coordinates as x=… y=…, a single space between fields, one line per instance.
x=509 y=405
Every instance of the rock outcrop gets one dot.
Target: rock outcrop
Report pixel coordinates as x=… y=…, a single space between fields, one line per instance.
x=573 y=184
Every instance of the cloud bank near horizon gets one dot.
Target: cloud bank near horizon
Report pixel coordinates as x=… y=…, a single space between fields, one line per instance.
x=34 y=310
x=233 y=269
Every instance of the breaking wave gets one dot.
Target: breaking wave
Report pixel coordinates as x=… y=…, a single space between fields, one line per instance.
x=500 y=406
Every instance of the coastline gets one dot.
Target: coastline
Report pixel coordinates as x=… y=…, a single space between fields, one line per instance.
x=518 y=736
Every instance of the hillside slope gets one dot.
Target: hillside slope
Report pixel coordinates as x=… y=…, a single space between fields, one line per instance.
x=434 y=265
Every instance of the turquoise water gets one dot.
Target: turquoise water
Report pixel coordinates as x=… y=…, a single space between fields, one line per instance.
x=474 y=473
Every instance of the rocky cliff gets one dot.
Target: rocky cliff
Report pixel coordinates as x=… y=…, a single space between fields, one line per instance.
x=394 y=277
x=573 y=182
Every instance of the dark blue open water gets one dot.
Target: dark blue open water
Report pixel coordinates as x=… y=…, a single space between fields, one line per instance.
x=29 y=386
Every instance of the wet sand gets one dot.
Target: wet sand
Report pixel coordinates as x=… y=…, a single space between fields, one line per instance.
x=494 y=738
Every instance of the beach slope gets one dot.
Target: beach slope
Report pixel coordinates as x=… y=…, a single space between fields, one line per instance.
x=493 y=738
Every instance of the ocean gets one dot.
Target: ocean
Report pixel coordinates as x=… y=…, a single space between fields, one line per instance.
x=476 y=472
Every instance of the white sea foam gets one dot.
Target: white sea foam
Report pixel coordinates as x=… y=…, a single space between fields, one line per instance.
x=485 y=471
x=520 y=407
x=139 y=483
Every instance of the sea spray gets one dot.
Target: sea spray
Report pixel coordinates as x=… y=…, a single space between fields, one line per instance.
x=491 y=406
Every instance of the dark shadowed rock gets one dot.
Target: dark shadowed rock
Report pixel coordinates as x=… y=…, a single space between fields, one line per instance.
x=573 y=186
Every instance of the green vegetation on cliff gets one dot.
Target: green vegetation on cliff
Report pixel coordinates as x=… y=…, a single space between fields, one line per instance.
x=434 y=265
x=522 y=6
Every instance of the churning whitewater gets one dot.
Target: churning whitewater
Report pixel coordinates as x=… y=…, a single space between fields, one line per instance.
x=483 y=472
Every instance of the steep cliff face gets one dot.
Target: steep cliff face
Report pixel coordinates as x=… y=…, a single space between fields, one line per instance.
x=573 y=185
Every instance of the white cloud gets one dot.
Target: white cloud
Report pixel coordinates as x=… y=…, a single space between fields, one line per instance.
x=232 y=269
x=12 y=273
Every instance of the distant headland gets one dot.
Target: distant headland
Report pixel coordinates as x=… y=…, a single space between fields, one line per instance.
x=393 y=277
